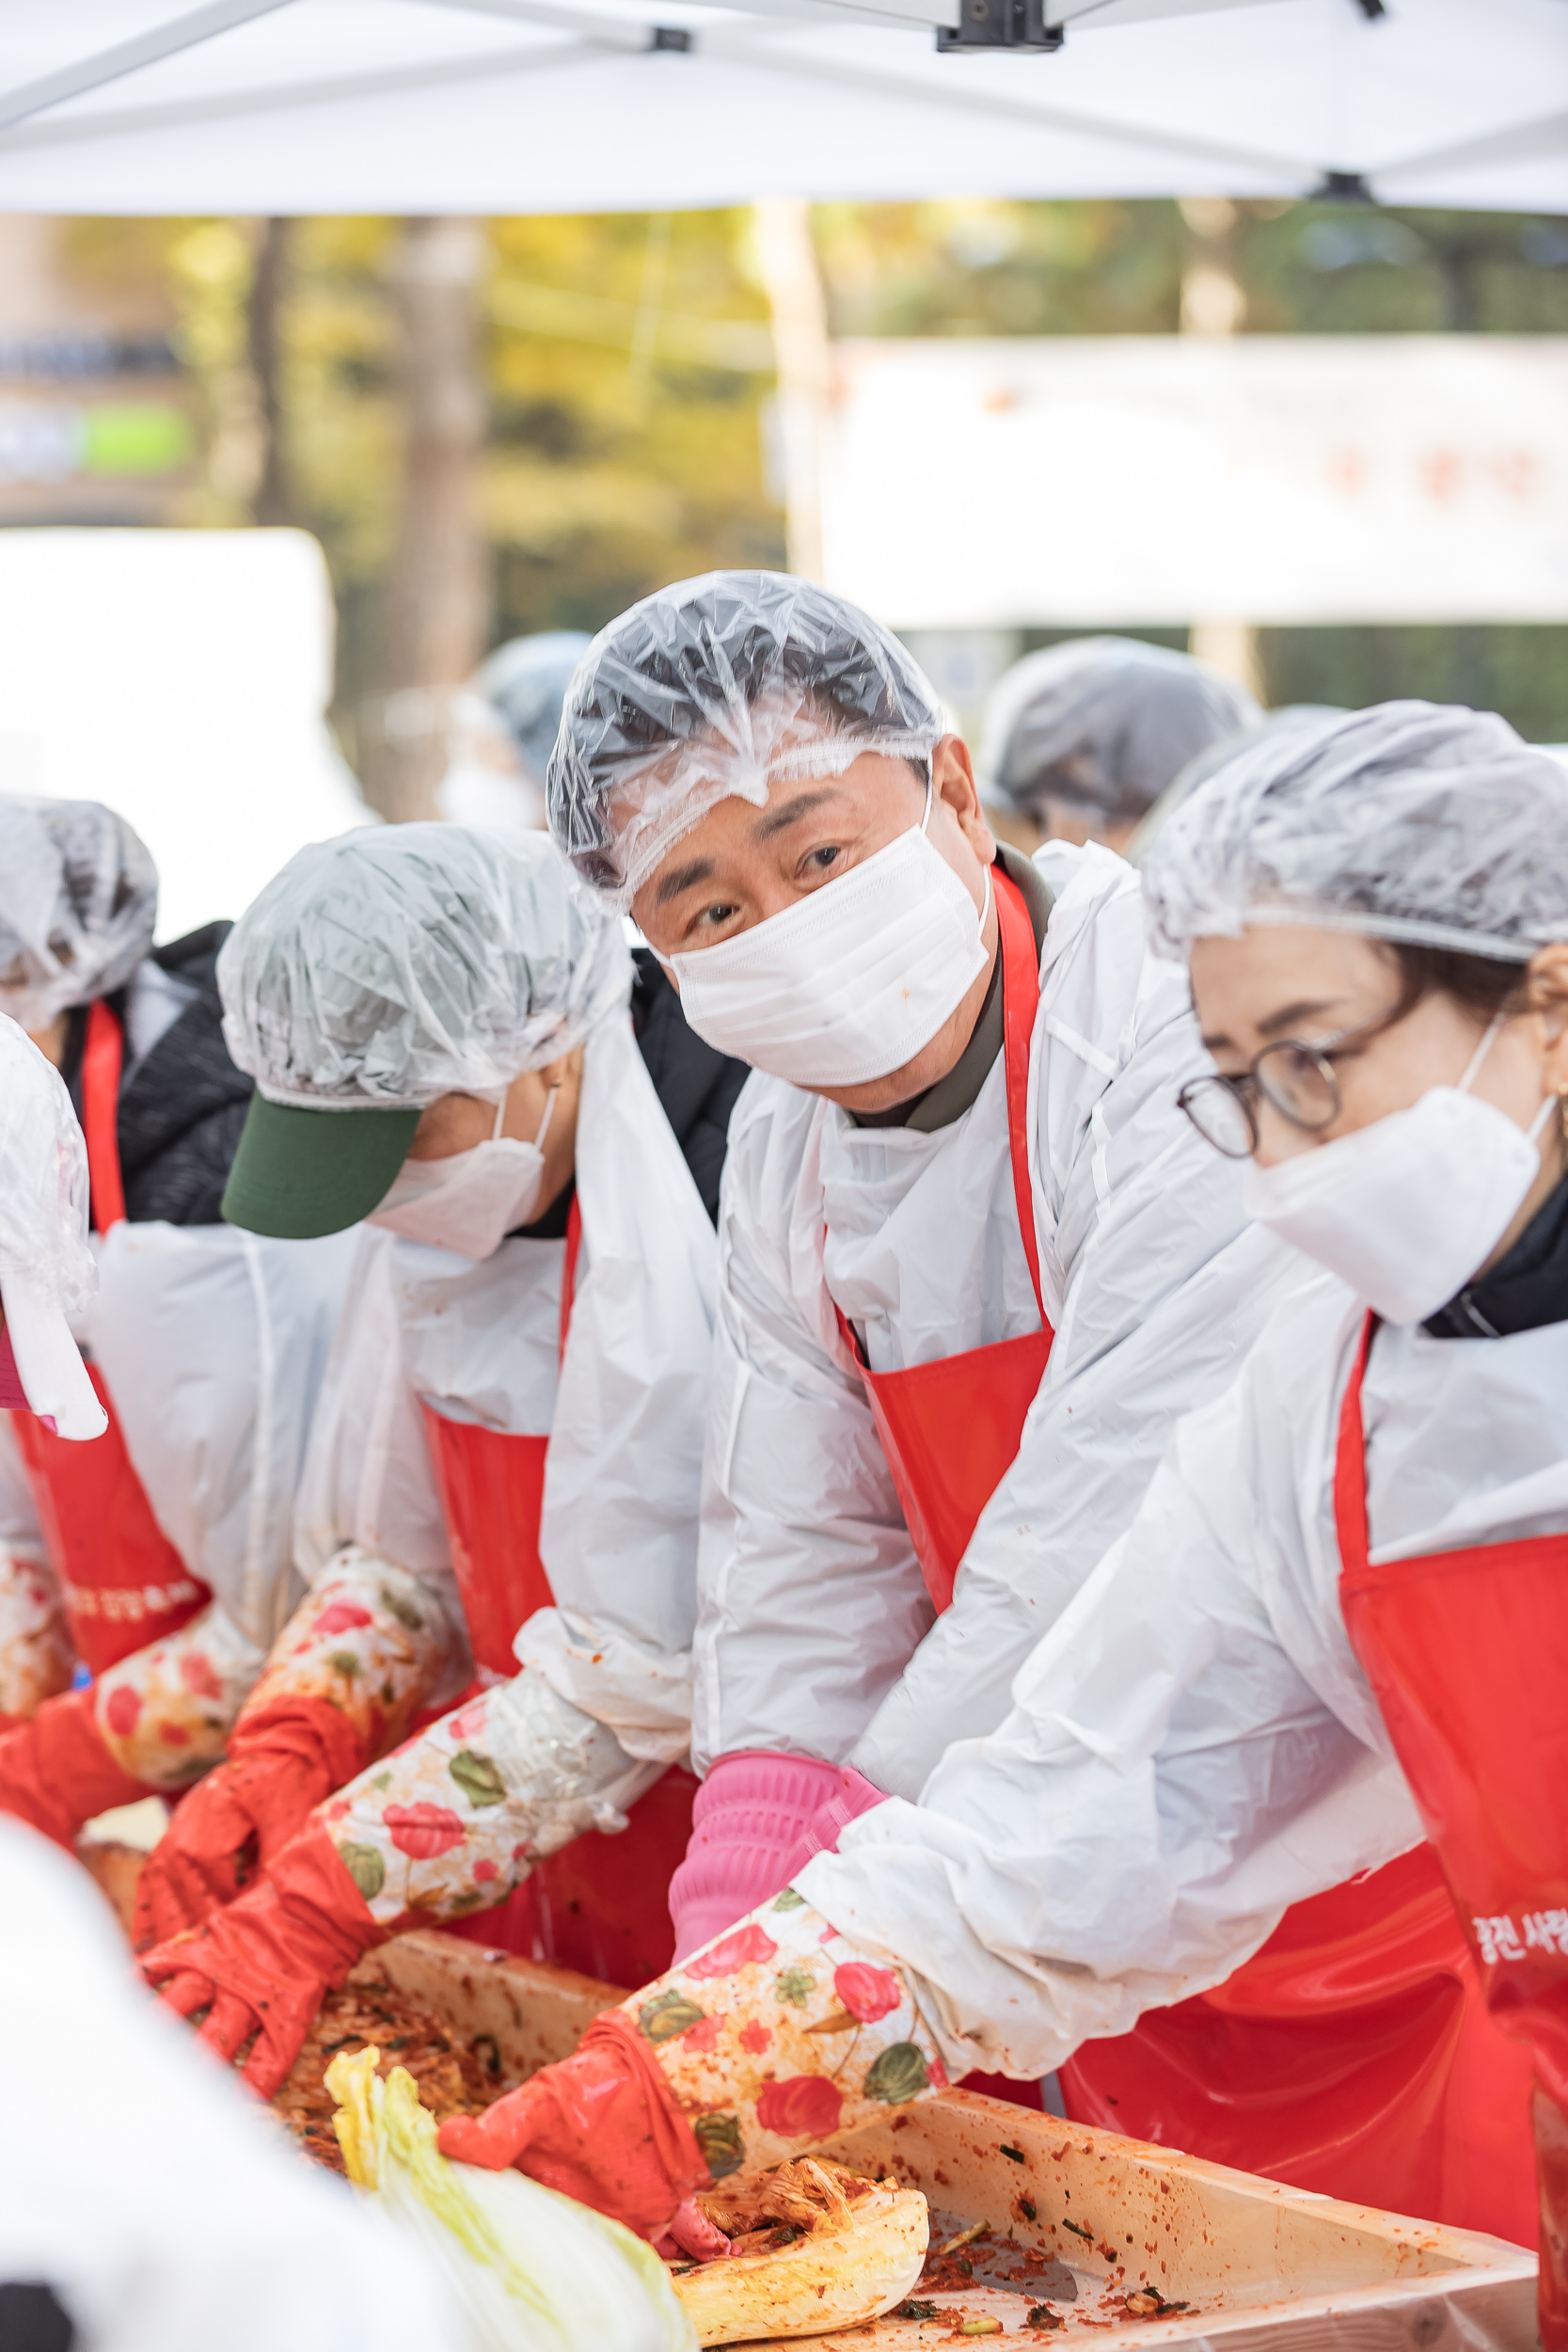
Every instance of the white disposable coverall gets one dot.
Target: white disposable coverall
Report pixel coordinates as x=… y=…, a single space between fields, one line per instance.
x=214 y=1343
x=815 y=1635
x=1194 y=1746
x=625 y=1416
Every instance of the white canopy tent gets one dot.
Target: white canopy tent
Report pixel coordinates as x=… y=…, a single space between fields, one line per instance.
x=494 y=106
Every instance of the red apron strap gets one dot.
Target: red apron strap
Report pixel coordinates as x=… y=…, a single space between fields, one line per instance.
x=1021 y=997
x=570 y=1271
x=101 y=1058
x=1350 y=1465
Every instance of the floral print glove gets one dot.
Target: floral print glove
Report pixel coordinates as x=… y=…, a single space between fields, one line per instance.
x=165 y=1712
x=779 y=2035
x=360 y=1654
x=454 y=1822
x=36 y=1655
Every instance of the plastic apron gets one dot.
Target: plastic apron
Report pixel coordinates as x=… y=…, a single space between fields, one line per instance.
x=1353 y=2053
x=1467 y=1653
x=951 y=1430
x=122 y=1582
x=602 y=1903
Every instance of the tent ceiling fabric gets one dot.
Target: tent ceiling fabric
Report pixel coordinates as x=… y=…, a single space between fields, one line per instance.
x=548 y=106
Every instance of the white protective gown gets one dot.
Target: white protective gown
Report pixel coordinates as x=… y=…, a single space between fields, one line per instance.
x=214 y=1343
x=1193 y=1747
x=625 y=1414
x=815 y=1635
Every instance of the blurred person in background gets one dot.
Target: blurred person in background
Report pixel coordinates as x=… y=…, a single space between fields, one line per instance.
x=156 y=1563
x=1079 y=740
x=505 y=1467
x=504 y=727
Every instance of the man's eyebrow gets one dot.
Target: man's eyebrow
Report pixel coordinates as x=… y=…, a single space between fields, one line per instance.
x=684 y=878
x=791 y=812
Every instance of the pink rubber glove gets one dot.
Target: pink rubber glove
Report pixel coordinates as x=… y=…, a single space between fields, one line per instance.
x=759 y=1817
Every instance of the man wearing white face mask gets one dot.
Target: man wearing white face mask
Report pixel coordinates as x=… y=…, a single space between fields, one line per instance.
x=973 y=1262
x=1337 y=1620
x=505 y=1462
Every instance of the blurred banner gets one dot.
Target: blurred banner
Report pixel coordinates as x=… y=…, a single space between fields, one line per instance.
x=1167 y=479
x=182 y=678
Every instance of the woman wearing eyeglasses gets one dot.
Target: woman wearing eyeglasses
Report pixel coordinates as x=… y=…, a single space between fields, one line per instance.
x=1280 y=1811
x=1339 y=1622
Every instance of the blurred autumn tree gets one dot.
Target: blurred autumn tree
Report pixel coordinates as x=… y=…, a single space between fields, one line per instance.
x=626 y=364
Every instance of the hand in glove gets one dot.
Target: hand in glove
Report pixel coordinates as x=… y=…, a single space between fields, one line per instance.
x=517 y=1772
x=57 y=1771
x=151 y=1722
x=759 y=1818
x=349 y=1669
x=265 y=1964
x=779 y=2035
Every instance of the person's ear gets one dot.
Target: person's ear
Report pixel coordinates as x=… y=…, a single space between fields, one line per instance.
x=1548 y=985
x=953 y=783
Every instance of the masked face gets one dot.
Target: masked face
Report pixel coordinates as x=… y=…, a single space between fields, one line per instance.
x=850 y=983
x=1405 y=1211
x=831 y=938
x=469 y=1200
x=1433 y=1156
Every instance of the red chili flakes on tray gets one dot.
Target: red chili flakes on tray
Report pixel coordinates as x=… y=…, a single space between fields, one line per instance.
x=451 y=2079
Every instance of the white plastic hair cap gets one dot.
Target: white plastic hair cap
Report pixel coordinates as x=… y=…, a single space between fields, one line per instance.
x=400 y=962
x=78 y=902
x=1410 y=821
x=717 y=689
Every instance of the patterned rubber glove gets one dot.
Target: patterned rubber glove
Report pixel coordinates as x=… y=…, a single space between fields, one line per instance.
x=265 y=1964
x=452 y=1822
x=759 y=1818
x=55 y=1772
x=362 y=1652
x=36 y=1650
x=779 y=2035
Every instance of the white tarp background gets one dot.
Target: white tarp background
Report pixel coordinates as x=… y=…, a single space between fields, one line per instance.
x=1147 y=479
x=251 y=107
x=182 y=676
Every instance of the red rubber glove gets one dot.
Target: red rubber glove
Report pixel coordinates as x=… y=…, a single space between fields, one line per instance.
x=602 y=2126
x=282 y=1762
x=56 y=1772
x=265 y=1964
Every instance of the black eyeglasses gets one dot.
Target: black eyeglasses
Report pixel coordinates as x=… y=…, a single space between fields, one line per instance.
x=1295 y=1079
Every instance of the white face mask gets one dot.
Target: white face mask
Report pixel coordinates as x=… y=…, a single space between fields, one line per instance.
x=1407 y=1209
x=469 y=1201
x=852 y=981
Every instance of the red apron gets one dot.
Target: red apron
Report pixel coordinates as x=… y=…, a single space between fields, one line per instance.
x=951 y=1430
x=122 y=1582
x=601 y=1904
x=1353 y=2053
x=1467 y=1653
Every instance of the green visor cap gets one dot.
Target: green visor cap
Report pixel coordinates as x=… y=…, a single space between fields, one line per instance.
x=298 y=1174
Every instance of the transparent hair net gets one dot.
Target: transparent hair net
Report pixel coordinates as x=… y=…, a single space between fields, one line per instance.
x=1408 y=822
x=721 y=688
x=525 y=683
x=400 y=962
x=1103 y=724
x=78 y=900
x=44 y=1178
